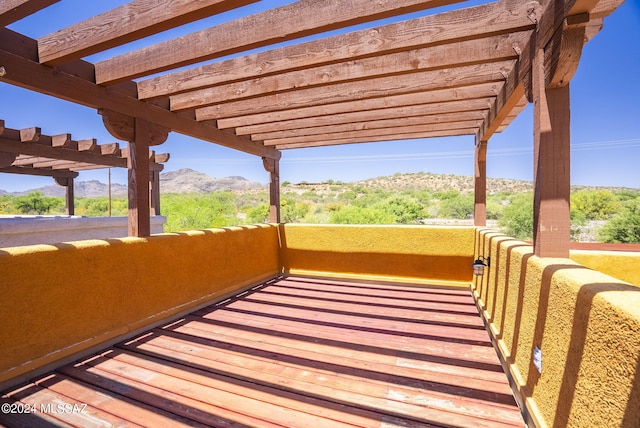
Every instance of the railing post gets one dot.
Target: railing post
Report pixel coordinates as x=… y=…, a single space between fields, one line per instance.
x=273 y=167
x=552 y=181
x=141 y=135
x=480 y=184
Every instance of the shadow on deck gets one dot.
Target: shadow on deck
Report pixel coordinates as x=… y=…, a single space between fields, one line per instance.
x=291 y=352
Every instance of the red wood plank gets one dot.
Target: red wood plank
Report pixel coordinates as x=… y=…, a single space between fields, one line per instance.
x=297 y=352
x=356 y=358
x=187 y=383
x=314 y=371
x=327 y=332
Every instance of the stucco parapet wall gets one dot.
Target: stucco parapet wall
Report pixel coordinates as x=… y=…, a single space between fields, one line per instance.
x=59 y=300
x=586 y=324
x=387 y=252
x=624 y=265
x=29 y=230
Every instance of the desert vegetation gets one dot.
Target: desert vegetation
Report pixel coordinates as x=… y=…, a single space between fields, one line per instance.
x=597 y=214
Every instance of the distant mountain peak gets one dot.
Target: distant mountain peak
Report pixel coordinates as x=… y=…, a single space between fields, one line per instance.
x=185 y=180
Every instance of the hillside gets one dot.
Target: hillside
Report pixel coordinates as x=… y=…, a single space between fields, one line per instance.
x=186 y=180
x=437 y=183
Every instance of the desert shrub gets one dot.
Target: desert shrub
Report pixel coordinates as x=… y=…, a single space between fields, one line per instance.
x=192 y=211
x=517 y=218
x=361 y=215
x=449 y=194
x=37 y=203
x=625 y=226
x=404 y=209
x=458 y=207
x=292 y=211
x=595 y=204
x=258 y=214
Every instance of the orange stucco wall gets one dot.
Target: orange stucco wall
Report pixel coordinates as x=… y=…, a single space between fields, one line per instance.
x=58 y=300
x=586 y=323
x=624 y=265
x=404 y=253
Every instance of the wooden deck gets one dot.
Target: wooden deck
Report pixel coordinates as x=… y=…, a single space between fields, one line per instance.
x=295 y=352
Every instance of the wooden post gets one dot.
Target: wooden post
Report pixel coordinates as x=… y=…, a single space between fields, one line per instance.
x=552 y=181
x=273 y=167
x=141 y=135
x=67 y=182
x=480 y=184
x=155 y=192
x=138 y=166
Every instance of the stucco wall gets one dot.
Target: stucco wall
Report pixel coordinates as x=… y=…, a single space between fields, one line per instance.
x=60 y=299
x=586 y=324
x=405 y=253
x=624 y=265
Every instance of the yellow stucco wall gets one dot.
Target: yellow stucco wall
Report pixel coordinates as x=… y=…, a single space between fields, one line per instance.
x=406 y=253
x=624 y=265
x=58 y=300
x=586 y=323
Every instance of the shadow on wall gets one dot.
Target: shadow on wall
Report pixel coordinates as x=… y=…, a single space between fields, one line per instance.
x=582 y=346
x=585 y=323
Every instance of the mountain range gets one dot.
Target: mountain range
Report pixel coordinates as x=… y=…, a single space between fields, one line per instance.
x=189 y=181
x=181 y=181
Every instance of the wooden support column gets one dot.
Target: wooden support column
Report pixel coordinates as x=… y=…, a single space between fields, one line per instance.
x=480 y=184
x=154 y=183
x=67 y=182
x=273 y=167
x=552 y=182
x=141 y=135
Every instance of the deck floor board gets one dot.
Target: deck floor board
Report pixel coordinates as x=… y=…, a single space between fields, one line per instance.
x=295 y=352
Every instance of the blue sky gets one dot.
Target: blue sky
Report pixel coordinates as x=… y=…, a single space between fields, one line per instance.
x=605 y=122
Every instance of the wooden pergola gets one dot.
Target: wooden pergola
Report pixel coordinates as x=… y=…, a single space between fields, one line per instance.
x=27 y=151
x=469 y=71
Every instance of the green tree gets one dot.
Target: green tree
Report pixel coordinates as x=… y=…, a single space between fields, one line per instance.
x=458 y=207
x=292 y=211
x=37 y=203
x=595 y=204
x=258 y=214
x=404 y=209
x=625 y=226
x=517 y=218
x=185 y=212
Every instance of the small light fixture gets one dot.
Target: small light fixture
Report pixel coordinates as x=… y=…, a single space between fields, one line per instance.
x=479 y=265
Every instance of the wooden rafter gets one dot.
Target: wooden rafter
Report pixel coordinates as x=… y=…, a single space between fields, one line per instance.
x=469 y=66
x=433 y=30
x=361 y=91
x=132 y=21
x=14 y=10
x=405 y=63
x=302 y=18
x=478 y=105
x=23 y=71
x=34 y=151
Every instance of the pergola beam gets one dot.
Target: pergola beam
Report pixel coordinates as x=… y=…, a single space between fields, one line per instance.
x=26 y=73
x=433 y=30
x=482 y=90
x=302 y=18
x=129 y=22
x=14 y=10
x=475 y=105
x=471 y=119
x=370 y=133
x=360 y=91
x=54 y=173
x=406 y=63
x=403 y=136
